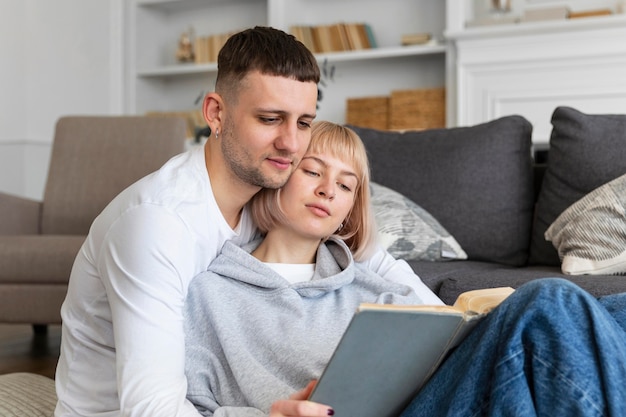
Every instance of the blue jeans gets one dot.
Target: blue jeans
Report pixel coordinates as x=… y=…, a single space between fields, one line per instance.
x=550 y=349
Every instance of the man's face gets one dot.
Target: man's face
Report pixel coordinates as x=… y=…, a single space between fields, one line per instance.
x=267 y=131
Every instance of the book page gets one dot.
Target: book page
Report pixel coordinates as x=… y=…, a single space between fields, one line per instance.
x=470 y=302
x=482 y=301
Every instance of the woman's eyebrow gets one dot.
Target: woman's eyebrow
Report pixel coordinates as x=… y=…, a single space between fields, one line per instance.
x=325 y=165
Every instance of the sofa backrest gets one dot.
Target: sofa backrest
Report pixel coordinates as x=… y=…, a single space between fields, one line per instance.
x=476 y=181
x=95 y=157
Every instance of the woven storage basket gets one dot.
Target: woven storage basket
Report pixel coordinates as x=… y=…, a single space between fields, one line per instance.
x=418 y=109
x=372 y=112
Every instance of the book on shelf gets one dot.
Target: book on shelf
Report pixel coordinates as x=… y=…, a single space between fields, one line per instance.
x=371 y=40
x=322 y=38
x=338 y=37
x=346 y=42
x=335 y=37
x=305 y=35
x=416 y=39
x=356 y=43
x=590 y=13
x=388 y=352
x=545 y=13
x=208 y=47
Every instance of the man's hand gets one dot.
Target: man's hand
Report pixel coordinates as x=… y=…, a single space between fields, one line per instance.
x=298 y=406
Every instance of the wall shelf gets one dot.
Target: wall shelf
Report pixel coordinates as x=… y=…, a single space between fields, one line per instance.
x=156 y=82
x=347 y=56
x=539 y=28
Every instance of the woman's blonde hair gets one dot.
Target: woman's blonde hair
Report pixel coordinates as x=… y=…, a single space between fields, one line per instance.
x=358 y=230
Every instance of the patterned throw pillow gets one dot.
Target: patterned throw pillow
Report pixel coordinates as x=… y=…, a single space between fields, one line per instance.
x=408 y=231
x=590 y=235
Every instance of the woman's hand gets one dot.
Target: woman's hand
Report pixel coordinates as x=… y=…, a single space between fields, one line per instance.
x=298 y=406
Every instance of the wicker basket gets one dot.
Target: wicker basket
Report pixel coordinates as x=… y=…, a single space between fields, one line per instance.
x=418 y=109
x=372 y=112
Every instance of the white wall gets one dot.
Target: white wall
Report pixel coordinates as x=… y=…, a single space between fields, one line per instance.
x=57 y=58
x=12 y=99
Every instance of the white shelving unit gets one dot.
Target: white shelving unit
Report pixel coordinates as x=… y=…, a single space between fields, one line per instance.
x=156 y=81
x=530 y=68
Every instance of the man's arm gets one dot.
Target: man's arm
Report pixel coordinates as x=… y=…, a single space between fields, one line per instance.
x=397 y=270
x=146 y=264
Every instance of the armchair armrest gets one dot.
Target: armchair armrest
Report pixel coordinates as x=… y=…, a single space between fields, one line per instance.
x=19 y=215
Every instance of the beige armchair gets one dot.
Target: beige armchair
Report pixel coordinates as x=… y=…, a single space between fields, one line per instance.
x=92 y=160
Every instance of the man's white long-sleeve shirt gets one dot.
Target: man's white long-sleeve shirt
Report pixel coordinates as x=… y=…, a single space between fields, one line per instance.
x=122 y=350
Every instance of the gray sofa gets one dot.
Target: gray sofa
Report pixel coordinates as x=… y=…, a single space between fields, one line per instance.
x=483 y=186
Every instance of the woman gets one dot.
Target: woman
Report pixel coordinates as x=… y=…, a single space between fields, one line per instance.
x=262 y=322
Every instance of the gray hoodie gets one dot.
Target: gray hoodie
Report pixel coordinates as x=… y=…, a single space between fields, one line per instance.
x=253 y=338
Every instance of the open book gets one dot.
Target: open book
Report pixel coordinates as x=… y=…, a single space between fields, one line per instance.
x=388 y=352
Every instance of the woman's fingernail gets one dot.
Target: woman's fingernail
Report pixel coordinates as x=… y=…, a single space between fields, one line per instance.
x=330 y=412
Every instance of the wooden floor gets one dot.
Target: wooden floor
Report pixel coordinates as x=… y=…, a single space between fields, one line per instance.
x=23 y=351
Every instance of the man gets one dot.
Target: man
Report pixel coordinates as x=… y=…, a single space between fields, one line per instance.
x=122 y=348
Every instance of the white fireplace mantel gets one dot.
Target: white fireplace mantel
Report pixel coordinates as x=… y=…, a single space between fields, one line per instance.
x=531 y=68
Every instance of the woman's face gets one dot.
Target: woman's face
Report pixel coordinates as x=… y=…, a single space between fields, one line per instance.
x=319 y=195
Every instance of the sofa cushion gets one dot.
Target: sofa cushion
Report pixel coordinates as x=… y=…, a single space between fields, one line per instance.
x=408 y=231
x=590 y=235
x=586 y=151
x=599 y=286
x=25 y=302
x=476 y=181
x=434 y=274
x=449 y=279
x=44 y=259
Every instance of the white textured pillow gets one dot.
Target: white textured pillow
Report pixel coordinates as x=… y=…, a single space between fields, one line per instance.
x=26 y=394
x=590 y=235
x=408 y=231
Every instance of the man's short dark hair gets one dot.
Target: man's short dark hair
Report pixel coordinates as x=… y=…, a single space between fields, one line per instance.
x=266 y=50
